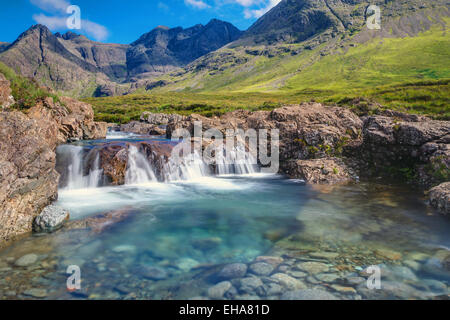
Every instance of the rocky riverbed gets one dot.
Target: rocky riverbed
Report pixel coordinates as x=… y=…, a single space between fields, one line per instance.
x=194 y=247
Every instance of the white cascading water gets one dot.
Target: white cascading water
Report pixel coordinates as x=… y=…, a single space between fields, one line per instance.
x=75 y=177
x=237 y=161
x=190 y=167
x=139 y=170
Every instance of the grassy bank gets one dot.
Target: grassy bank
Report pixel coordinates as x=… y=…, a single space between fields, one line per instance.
x=424 y=97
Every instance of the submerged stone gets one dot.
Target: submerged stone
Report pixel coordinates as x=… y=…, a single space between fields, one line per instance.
x=232 y=271
x=288 y=282
x=36 y=293
x=218 y=291
x=152 y=273
x=261 y=268
x=26 y=260
x=313 y=267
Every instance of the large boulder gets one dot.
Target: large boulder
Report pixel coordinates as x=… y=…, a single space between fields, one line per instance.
x=51 y=219
x=440 y=198
x=28 y=179
x=415 y=144
x=321 y=171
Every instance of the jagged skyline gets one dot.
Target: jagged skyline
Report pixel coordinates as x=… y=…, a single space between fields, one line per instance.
x=122 y=22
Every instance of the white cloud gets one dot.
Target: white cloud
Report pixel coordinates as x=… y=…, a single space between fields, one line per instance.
x=59 y=21
x=51 y=5
x=163 y=6
x=257 y=13
x=51 y=22
x=199 y=4
x=247 y=3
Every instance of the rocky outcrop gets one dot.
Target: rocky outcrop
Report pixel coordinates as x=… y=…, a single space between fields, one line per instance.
x=143 y=128
x=331 y=144
x=321 y=171
x=440 y=198
x=415 y=145
x=28 y=179
x=161 y=118
x=308 y=131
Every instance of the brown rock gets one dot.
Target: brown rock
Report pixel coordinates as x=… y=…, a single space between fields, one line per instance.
x=440 y=198
x=28 y=179
x=321 y=171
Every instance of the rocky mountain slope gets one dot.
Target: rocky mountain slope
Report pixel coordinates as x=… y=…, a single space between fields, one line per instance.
x=305 y=44
x=298 y=45
x=164 y=49
x=76 y=65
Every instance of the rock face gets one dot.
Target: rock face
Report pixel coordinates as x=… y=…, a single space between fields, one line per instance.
x=69 y=62
x=321 y=171
x=164 y=49
x=51 y=219
x=28 y=179
x=323 y=144
x=440 y=198
x=310 y=131
x=412 y=143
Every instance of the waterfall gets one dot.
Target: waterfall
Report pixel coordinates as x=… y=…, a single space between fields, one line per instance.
x=191 y=167
x=237 y=161
x=139 y=170
x=75 y=178
x=80 y=166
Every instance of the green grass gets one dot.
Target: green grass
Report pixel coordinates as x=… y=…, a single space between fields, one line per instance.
x=379 y=62
x=425 y=97
x=26 y=92
x=410 y=74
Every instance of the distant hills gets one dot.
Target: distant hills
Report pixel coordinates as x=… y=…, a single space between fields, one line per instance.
x=76 y=65
x=298 y=45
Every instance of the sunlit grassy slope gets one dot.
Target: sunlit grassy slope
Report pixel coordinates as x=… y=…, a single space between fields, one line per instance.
x=410 y=74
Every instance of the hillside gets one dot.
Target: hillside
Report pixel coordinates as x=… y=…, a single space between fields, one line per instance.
x=404 y=66
x=409 y=47
x=77 y=66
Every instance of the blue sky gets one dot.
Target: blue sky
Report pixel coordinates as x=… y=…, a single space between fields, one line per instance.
x=123 y=21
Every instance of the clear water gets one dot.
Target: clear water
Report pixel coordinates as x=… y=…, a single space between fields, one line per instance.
x=189 y=229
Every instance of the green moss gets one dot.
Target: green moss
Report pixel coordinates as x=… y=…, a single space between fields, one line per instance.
x=26 y=92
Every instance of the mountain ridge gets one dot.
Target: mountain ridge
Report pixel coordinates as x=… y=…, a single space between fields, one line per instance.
x=74 y=64
x=275 y=53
